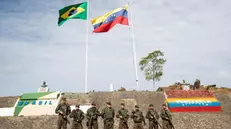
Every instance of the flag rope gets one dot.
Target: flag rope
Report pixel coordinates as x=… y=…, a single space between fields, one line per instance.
x=133 y=45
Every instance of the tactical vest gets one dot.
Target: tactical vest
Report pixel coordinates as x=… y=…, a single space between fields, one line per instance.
x=64 y=108
x=109 y=113
x=138 y=116
x=93 y=113
x=77 y=115
x=123 y=113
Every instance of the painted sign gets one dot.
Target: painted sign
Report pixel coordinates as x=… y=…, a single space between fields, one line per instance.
x=36 y=102
x=177 y=103
x=33 y=104
x=84 y=108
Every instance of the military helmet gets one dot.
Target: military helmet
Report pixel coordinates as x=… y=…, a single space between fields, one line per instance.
x=150 y=105
x=77 y=105
x=164 y=105
x=122 y=104
x=136 y=106
x=108 y=102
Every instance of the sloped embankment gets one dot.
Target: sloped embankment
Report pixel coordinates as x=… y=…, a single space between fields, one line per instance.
x=8 y=101
x=181 y=120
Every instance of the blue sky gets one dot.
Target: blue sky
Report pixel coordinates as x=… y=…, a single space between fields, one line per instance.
x=193 y=34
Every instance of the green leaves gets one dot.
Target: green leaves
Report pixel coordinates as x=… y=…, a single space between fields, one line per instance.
x=152 y=65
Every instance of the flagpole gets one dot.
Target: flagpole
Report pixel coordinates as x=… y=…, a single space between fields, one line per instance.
x=86 y=63
x=134 y=46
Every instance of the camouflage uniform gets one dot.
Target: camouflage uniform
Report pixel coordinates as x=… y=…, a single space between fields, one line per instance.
x=62 y=118
x=166 y=117
x=92 y=115
x=150 y=116
x=108 y=116
x=77 y=116
x=123 y=121
x=138 y=118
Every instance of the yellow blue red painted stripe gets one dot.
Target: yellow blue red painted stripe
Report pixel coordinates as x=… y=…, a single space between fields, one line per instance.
x=205 y=104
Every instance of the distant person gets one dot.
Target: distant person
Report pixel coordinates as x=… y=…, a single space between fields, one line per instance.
x=92 y=117
x=166 y=117
x=78 y=117
x=108 y=114
x=197 y=84
x=123 y=114
x=153 y=117
x=63 y=110
x=138 y=118
x=44 y=84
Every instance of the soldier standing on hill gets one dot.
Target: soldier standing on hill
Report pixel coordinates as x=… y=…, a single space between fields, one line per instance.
x=63 y=110
x=153 y=117
x=123 y=115
x=138 y=118
x=92 y=115
x=108 y=114
x=77 y=116
x=166 y=117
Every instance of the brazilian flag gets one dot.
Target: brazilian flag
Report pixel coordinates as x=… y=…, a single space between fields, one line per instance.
x=76 y=11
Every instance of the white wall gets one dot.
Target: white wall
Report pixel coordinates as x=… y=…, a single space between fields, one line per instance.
x=7 y=111
x=84 y=108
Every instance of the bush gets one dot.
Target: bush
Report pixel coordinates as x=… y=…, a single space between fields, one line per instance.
x=122 y=89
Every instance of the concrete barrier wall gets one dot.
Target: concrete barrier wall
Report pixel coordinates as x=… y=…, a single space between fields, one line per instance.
x=220 y=120
x=7 y=111
x=84 y=108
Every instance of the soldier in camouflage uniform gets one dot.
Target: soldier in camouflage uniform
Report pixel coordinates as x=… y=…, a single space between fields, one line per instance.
x=108 y=114
x=153 y=117
x=123 y=115
x=77 y=116
x=138 y=118
x=92 y=115
x=63 y=110
x=166 y=117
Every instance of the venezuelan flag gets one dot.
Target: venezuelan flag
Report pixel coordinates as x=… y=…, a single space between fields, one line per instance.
x=108 y=21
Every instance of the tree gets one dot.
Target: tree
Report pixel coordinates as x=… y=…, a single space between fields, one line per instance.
x=152 y=65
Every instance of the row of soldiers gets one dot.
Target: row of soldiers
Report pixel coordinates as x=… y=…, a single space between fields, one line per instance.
x=108 y=114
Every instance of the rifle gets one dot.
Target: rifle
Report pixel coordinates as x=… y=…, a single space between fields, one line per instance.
x=170 y=122
x=155 y=120
x=142 y=117
x=64 y=117
x=124 y=121
x=89 y=122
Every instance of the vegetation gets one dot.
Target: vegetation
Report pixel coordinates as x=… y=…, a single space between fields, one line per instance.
x=152 y=65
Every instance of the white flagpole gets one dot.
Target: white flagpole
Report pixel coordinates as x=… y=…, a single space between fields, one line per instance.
x=134 y=45
x=86 y=63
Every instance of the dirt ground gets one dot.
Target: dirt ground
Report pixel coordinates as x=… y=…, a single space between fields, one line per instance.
x=219 y=120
